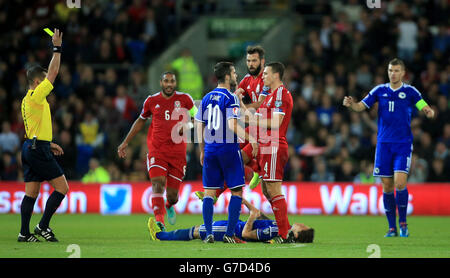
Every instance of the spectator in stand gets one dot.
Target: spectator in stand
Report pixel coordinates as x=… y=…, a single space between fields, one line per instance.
x=321 y=173
x=9 y=141
x=8 y=167
x=125 y=104
x=345 y=172
x=96 y=173
x=188 y=74
x=437 y=173
x=419 y=169
x=365 y=175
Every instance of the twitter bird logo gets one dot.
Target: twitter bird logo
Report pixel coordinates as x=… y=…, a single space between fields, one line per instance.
x=115 y=199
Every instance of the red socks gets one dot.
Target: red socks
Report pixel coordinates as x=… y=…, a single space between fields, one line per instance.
x=158 y=206
x=279 y=207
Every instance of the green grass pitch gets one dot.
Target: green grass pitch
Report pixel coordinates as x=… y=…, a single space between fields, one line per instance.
x=100 y=236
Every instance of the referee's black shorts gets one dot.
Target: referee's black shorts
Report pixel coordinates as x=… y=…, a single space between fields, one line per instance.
x=39 y=164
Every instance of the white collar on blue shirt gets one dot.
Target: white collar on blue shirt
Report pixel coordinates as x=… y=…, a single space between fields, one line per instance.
x=397 y=88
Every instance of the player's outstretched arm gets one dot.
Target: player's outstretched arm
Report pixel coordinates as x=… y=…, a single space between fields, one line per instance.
x=137 y=126
x=351 y=104
x=53 y=67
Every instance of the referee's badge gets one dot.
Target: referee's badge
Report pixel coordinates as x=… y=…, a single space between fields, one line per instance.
x=402 y=95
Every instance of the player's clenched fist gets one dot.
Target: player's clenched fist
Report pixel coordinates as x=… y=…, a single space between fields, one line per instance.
x=348 y=101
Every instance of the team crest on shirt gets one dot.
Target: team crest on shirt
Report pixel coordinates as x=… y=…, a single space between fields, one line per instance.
x=402 y=95
x=177 y=104
x=278 y=103
x=376 y=170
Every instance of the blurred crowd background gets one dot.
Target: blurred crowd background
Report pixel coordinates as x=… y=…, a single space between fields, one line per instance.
x=108 y=44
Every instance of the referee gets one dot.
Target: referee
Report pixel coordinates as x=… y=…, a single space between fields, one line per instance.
x=38 y=151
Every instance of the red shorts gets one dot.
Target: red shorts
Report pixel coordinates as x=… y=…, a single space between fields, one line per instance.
x=172 y=167
x=271 y=161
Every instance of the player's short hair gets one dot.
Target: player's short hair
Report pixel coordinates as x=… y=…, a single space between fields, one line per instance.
x=252 y=49
x=221 y=70
x=305 y=236
x=397 y=62
x=167 y=72
x=35 y=71
x=277 y=67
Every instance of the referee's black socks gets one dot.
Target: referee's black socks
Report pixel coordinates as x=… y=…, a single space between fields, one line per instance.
x=51 y=206
x=26 y=210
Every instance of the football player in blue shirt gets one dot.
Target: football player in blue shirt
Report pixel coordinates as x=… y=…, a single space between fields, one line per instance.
x=257 y=228
x=396 y=101
x=217 y=130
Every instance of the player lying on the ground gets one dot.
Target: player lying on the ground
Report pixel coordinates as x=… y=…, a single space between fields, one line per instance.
x=257 y=228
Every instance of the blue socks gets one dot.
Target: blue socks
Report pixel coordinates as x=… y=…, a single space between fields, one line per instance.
x=390 y=209
x=208 y=211
x=392 y=203
x=401 y=198
x=234 y=211
x=184 y=234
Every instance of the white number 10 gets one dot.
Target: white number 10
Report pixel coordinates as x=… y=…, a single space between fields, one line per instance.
x=213 y=116
x=391 y=106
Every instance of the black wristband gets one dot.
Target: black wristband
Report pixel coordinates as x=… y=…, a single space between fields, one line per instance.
x=57 y=49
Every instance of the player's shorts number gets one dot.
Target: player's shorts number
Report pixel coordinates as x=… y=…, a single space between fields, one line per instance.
x=213 y=116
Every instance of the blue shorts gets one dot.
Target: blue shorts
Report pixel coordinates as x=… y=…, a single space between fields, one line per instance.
x=392 y=157
x=220 y=167
x=39 y=164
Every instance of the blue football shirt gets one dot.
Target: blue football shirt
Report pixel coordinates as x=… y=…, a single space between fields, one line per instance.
x=217 y=107
x=395 y=108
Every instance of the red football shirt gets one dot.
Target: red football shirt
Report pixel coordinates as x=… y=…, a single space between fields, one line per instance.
x=277 y=102
x=166 y=115
x=253 y=86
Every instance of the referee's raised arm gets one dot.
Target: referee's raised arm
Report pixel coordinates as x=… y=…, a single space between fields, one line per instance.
x=53 y=67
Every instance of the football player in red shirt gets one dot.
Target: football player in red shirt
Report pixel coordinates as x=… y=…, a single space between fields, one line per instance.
x=272 y=119
x=166 y=158
x=252 y=91
x=252 y=86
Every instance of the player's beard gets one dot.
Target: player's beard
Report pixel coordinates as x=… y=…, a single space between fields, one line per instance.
x=233 y=85
x=256 y=71
x=170 y=93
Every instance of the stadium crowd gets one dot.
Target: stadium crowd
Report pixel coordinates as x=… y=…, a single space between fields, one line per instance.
x=102 y=84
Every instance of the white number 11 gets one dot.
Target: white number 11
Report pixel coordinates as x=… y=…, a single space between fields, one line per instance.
x=391 y=106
